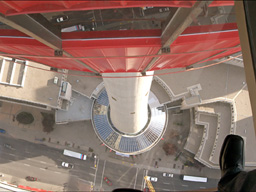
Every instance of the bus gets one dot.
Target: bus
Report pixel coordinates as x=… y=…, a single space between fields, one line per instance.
x=194 y=179
x=74 y=154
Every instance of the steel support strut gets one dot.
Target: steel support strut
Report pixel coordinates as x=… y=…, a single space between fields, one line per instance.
x=176 y=23
x=245 y=16
x=38 y=27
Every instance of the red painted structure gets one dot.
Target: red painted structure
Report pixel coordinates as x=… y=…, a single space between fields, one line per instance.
x=32 y=189
x=27 y=7
x=118 y=51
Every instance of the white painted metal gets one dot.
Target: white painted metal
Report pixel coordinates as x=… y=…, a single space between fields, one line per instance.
x=128 y=99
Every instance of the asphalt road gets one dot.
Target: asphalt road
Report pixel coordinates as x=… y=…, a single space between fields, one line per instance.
x=111 y=19
x=121 y=176
x=44 y=163
x=176 y=183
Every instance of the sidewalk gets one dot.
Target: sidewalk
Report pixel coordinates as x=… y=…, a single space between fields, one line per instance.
x=13 y=181
x=80 y=137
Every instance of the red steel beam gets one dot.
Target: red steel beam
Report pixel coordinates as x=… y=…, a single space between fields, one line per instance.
x=8 y=7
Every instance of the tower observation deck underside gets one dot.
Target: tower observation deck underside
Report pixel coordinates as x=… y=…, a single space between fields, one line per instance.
x=130 y=144
x=117 y=36
x=110 y=37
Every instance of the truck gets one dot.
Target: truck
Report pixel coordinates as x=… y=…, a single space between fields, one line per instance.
x=74 y=154
x=73 y=28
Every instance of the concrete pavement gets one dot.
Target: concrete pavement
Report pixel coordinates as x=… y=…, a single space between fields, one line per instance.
x=80 y=136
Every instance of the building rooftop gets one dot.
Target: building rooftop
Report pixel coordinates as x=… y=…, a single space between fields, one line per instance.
x=78 y=110
x=38 y=86
x=224 y=83
x=82 y=82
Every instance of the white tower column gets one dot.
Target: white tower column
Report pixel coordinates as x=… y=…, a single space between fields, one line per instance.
x=128 y=100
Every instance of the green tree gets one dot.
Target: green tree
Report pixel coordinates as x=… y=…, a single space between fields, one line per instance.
x=25 y=118
x=48 y=122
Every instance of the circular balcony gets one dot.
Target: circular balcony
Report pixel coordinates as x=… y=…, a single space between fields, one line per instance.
x=130 y=144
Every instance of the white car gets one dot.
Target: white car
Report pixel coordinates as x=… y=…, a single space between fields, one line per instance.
x=145 y=8
x=164 y=9
x=167 y=175
x=67 y=165
x=154 y=179
x=61 y=18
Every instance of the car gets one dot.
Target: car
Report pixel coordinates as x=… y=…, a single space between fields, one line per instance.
x=164 y=9
x=154 y=179
x=107 y=181
x=145 y=8
x=2 y=131
x=67 y=165
x=29 y=178
x=61 y=18
x=167 y=175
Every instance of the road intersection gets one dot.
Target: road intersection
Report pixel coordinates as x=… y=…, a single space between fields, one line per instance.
x=44 y=163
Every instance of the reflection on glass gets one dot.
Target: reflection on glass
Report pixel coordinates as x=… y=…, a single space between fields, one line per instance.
x=63 y=62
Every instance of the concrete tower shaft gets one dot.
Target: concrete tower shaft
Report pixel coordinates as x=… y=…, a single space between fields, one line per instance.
x=128 y=100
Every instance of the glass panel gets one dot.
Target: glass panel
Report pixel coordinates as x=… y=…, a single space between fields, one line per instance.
x=197 y=96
